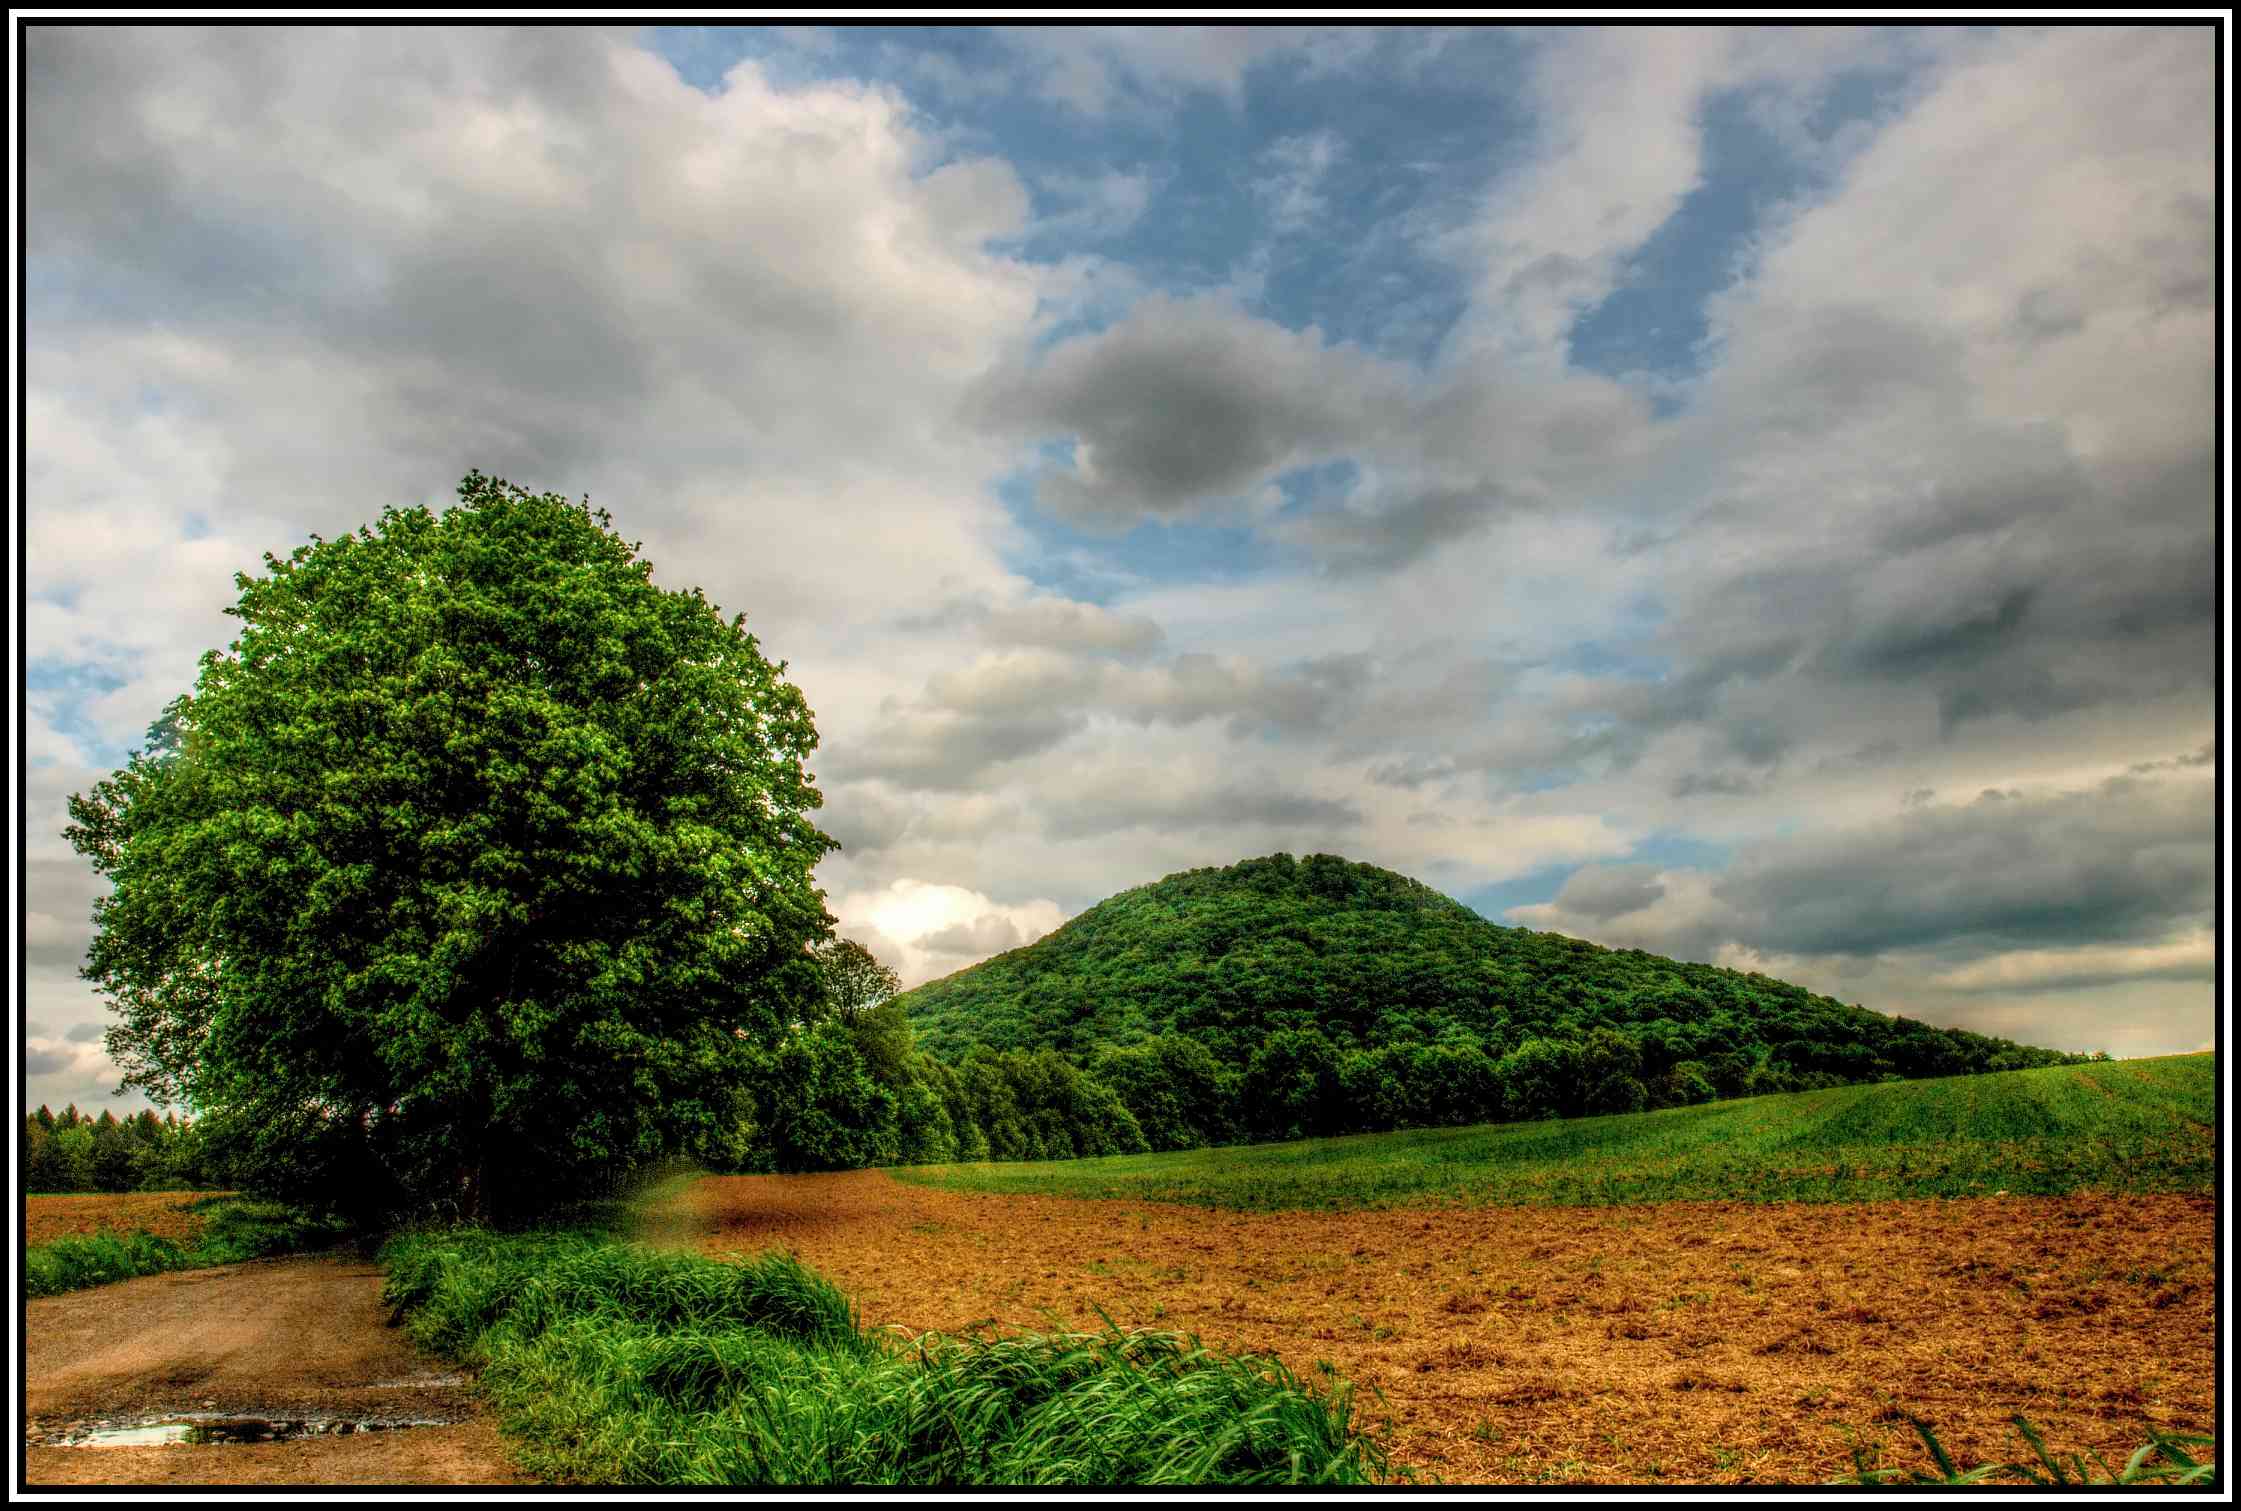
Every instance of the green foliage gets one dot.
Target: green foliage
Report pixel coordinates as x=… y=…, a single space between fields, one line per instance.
x=1374 y=962
x=1037 y=1105
x=2162 y=1460
x=477 y=867
x=1686 y=1084
x=2134 y=1125
x=1174 y=1088
x=71 y=1152
x=854 y=980
x=884 y=1042
x=820 y=1107
x=235 y=1230
x=850 y=1089
x=1543 y=1078
x=459 y=1285
x=1290 y=1088
x=244 y=1228
x=61 y=1160
x=71 y=1264
x=617 y=1365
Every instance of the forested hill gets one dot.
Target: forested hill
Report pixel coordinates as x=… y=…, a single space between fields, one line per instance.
x=1373 y=960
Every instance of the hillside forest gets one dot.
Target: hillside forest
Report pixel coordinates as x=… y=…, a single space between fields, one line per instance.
x=1283 y=998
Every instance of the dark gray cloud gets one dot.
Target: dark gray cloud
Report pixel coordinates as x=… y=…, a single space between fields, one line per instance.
x=2202 y=757
x=989 y=934
x=2040 y=594
x=85 y=1033
x=942 y=751
x=1349 y=542
x=1182 y=405
x=1604 y=892
x=1006 y=707
x=1715 y=784
x=57 y=930
x=1189 y=408
x=1151 y=805
x=1066 y=626
x=2014 y=898
x=45 y=1062
x=1057 y=624
x=862 y=819
x=1424 y=696
x=2129 y=859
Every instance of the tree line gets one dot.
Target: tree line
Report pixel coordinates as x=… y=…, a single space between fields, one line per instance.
x=70 y=1151
x=853 y=1088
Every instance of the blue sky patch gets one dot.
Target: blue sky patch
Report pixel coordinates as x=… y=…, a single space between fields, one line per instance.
x=1653 y=322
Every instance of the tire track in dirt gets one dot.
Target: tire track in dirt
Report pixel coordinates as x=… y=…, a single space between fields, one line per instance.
x=303 y=1337
x=1683 y=1343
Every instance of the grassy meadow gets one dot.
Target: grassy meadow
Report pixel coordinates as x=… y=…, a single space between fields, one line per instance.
x=2117 y=1126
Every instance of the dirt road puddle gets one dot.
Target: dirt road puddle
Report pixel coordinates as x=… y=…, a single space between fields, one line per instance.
x=202 y=1428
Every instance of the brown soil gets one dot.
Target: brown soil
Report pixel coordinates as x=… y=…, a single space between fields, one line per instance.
x=1684 y=1343
x=163 y=1213
x=301 y=1337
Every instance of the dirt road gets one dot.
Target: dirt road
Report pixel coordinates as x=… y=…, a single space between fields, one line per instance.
x=302 y=1337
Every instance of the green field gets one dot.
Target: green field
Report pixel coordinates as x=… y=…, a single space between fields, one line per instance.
x=2123 y=1125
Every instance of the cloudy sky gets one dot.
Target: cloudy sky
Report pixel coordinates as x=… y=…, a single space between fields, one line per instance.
x=1746 y=494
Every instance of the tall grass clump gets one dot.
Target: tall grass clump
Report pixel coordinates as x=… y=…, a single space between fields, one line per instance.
x=236 y=1229
x=615 y=1364
x=72 y=1264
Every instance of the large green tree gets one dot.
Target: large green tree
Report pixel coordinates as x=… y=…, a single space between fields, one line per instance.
x=478 y=867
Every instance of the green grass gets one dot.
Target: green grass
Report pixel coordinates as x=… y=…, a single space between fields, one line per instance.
x=237 y=1229
x=615 y=1364
x=2120 y=1126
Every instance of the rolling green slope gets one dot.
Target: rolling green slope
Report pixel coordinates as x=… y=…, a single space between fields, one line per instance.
x=2127 y=1125
x=1371 y=959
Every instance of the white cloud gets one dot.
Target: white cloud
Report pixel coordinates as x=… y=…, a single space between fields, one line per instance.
x=1101 y=70
x=1291 y=187
x=933 y=928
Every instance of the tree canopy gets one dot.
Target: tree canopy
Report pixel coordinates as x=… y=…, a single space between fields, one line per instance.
x=477 y=866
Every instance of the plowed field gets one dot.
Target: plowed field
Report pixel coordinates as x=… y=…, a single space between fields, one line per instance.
x=167 y=1214
x=1681 y=1343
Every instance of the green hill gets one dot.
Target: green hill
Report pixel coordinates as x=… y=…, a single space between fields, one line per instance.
x=1371 y=960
